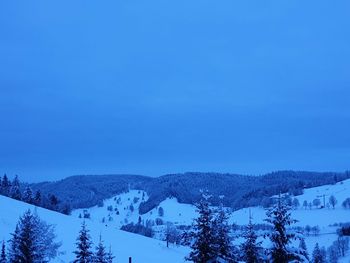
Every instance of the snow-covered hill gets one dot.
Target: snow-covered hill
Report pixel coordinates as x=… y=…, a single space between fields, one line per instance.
x=124 y=208
x=117 y=211
x=124 y=244
x=183 y=214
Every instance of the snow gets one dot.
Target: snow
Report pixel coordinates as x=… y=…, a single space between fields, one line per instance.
x=175 y=212
x=144 y=249
x=123 y=244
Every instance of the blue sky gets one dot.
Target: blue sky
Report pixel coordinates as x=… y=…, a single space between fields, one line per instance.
x=154 y=87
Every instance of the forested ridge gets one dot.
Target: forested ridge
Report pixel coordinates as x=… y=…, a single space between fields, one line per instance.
x=238 y=190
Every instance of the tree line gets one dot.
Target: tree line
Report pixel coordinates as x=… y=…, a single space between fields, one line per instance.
x=18 y=191
x=210 y=240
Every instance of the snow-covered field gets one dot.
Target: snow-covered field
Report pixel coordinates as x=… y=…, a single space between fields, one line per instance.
x=123 y=244
x=175 y=212
x=183 y=214
x=116 y=212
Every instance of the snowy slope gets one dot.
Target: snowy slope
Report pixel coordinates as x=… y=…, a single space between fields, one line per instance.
x=116 y=212
x=175 y=212
x=123 y=244
x=183 y=214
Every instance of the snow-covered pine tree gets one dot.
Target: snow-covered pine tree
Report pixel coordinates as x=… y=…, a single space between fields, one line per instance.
x=3 y=253
x=15 y=191
x=280 y=218
x=110 y=256
x=100 y=254
x=83 y=253
x=251 y=249
x=303 y=249
x=37 y=198
x=202 y=248
x=224 y=250
x=318 y=255
x=28 y=238
x=28 y=195
x=14 y=252
x=5 y=186
x=32 y=241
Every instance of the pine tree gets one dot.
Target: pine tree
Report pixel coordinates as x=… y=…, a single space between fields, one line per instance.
x=32 y=241
x=110 y=256
x=14 y=253
x=3 y=253
x=280 y=219
x=202 y=248
x=100 y=254
x=5 y=186
x=251 y=248
x=53 y=202
x=15 y=191
x=27 y=238
x=303 y=249
x=37 y=198
x=83 y=253
x=222 y=241
x=28 y=195
x=318 y=255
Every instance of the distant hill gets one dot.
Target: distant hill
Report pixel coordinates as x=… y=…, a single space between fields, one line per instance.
x=238 y=190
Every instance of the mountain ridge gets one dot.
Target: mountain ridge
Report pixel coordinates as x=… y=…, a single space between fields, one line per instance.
x=84 y=191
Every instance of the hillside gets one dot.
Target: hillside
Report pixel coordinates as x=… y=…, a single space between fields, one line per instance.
x=327 y=219
x=123 y=244
x=239 y=190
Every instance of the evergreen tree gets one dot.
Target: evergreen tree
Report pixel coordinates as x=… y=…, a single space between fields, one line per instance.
x=5 y=186
x=28 y=195
x=202 y=248
x=27 y=238
x=318 y=255
x=3 y=253
x=53 y=202
x=83 y=253
x=15 y=191
x=280 y=219
x=303 y=249
x=251 y=249
x=110 y=256
x=100 y=254
x=14 y=252
x=32 y=241
x=222 y=241
x=37 y=198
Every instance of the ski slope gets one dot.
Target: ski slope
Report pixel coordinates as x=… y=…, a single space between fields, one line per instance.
x=123 y=244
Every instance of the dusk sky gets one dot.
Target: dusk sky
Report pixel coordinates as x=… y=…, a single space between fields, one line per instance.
x=155 y=87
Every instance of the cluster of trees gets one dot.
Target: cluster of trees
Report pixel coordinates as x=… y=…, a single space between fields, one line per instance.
x=33 y=241
x=84 y=252
x=16 y=190
x=210 y=239
x=239 y=190
x=139 y=228
x=332 y=255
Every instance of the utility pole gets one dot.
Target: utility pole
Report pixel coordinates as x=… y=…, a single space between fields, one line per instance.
x=324 y=200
